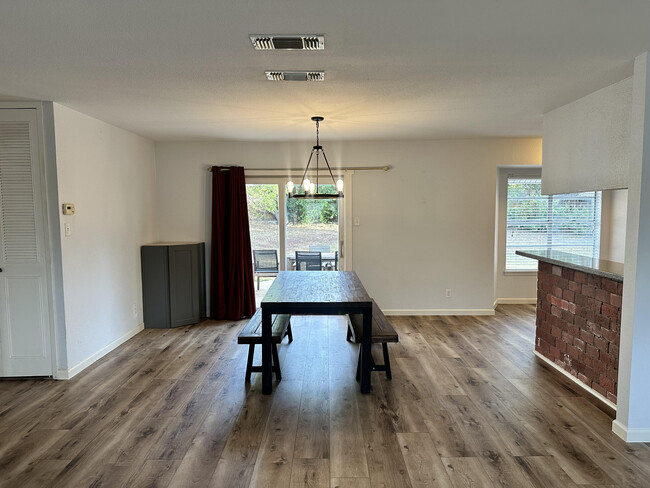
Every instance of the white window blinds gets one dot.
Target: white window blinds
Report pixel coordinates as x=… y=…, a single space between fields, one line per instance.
x=569 y=223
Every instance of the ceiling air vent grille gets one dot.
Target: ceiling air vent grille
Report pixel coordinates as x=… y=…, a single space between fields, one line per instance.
x=295 y=75
x=265 y=42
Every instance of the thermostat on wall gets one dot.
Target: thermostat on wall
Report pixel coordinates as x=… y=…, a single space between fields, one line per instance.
x=68 y=209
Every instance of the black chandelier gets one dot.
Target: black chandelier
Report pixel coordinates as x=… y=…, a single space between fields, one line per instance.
x=309 y=189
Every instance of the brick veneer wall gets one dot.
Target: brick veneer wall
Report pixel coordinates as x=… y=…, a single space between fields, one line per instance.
x=579 y=325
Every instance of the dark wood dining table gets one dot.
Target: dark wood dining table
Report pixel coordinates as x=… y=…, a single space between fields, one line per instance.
x=316 y=293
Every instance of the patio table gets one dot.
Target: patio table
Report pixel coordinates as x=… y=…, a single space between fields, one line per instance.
x=316 y=293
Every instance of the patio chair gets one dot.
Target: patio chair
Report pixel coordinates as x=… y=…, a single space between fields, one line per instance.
x=265 y=263
x=312 y=260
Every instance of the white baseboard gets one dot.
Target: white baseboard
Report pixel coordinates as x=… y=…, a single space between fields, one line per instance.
x=577 y=381
x=439 y=311
x=515 y=301
x=66 y=374
x=630 y=435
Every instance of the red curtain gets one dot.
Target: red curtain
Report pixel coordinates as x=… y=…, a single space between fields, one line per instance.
x=232 y=294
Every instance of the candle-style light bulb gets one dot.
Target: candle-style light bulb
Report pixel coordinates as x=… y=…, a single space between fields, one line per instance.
x=312 y=188
x=339 y=186
x=290 y=186
x=306 y=184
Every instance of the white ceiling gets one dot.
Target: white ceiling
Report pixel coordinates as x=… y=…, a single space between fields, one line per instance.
x=172 y=69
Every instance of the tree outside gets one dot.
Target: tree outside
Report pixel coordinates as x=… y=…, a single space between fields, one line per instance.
x=309 y=222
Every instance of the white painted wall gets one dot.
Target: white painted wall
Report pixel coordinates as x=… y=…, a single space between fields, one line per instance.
x=612 y=233
x=587 y=142
x=633 y=413
x=426 y=225
x=109 y=174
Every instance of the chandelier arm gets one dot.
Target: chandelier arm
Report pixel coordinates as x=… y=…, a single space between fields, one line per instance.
x=306 y=169
x=328 y=167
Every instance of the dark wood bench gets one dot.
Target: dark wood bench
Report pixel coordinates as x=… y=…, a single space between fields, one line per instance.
x=382 y=333
x=252 y=335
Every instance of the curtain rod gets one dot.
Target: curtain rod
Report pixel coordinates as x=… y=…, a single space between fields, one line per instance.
x=349 y=168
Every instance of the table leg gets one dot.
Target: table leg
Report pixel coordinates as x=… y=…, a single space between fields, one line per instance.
x=267 y=367
x=366 y=353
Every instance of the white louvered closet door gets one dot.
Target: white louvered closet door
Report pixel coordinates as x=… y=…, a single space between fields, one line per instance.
x=24 y=318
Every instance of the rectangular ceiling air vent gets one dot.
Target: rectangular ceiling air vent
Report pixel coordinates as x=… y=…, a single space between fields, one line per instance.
x=295 y=75
x=311 y=42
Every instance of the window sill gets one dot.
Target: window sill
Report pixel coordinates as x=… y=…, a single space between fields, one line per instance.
x=520 y=273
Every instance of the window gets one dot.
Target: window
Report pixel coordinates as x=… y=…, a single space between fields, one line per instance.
x=569 y=223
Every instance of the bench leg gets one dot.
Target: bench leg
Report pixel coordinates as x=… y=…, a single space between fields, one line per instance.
x=258 y=283
x=276 y=363
x=249 y=364
x=384 y=346
x=289 y=333
x=358 y=375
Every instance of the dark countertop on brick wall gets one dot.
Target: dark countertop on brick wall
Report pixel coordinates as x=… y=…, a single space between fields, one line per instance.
x=598 y=267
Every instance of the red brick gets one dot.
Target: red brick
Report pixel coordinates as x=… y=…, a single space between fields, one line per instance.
x=564 y=305
x=556 y=311
x=609 y=285
x=615 y=326
x=612 y=374
x=593 y=328
x=602 y=295
x=580 y=277
x=588 y=314
x=613 y=349
x=620 y=289
x=599 y=388
x=581 y=300
x=587 y=336
x=580 y=344
x=573 y=351
x=600 y=367
x=546 y=287
x=589 y=291
x=572 y=308
x=616 y=300
x=610 y=335
x=595 y=305
x=568 y=295
x=592 y=352
x=601 y=344
x=610 y=311
x=606 y=383
x=603 y=321
x=556 y=270
x=580 y=321
x=555 y=353
x=556 y=332
x=584 y=379
x=575 y=287
x=561 y=282
x=611 y=397
x=595 y=281
x=544 y=267
x=567 y=316
x=557 y=291
x=574 y=330
x=608 y=359
x=567 y=273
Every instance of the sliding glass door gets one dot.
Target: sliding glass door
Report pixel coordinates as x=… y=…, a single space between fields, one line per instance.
x=281 y=226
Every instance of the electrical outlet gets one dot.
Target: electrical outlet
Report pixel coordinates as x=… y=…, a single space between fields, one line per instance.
x=134 y=311
x=447 y=292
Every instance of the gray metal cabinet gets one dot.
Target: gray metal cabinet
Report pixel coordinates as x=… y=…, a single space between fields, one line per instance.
x=173 y=284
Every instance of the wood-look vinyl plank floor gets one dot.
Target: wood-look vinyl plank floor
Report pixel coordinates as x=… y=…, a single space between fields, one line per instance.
x=469 y=405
